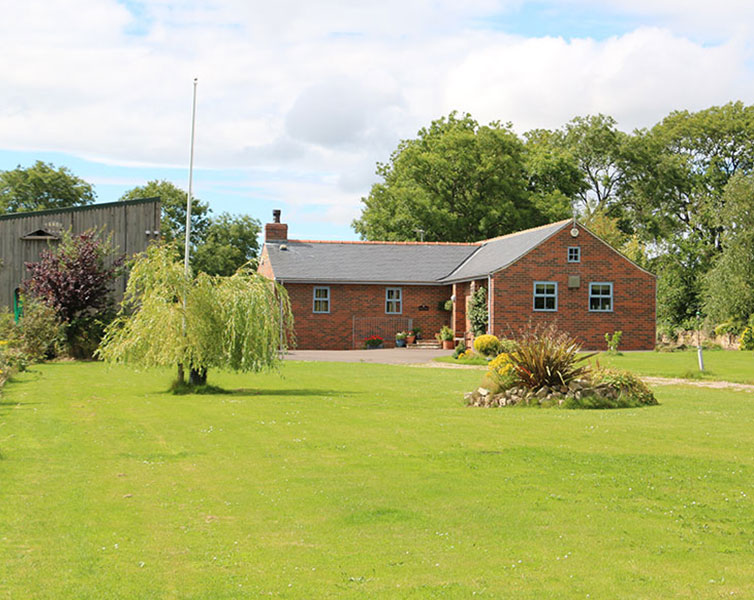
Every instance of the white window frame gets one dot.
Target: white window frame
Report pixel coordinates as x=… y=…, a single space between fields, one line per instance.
x=545 y=296
x=315 y=299
x=577 y=252
x=600 y=296
x=395 y=300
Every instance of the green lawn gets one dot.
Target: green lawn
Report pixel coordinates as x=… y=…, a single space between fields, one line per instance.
x=361 y=481
x=725 y=365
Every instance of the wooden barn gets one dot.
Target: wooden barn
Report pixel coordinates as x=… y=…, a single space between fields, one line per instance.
x=133 y=224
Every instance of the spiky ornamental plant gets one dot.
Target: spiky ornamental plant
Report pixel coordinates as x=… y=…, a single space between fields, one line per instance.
x=240 y=323
x=547 y=357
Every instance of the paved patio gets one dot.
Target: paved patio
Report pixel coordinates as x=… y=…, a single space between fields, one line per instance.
x=388 y=356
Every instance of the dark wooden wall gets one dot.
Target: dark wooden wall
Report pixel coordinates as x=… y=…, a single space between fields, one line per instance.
x=133 y=223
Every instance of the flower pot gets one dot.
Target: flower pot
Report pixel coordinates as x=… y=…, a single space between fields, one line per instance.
x=400 y=343
x=411 y=339
x=448 y=345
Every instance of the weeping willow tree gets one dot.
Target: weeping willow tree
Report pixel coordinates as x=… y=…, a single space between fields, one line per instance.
x=239 y=323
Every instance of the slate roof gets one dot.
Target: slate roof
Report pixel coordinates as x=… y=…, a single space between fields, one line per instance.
x=341 y=262
x=492 y=255
x=400 y=262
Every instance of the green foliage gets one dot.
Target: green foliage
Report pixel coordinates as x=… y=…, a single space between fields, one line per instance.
x=446 y=334
x=173 y=203
x=613 y=341
x=239 y=323
x=501 y=373
x=42 y=187
x=42 y=333
x=478 y=313
x=729 y=284
x=547 y=357
x=401 y=335
x=460 y=349
x=507 y=346
x=598 y=146
x=230 y=242
x=627 y=386
x=457 y=181
x=746 y=341
x=729 y=328
x=487 y=345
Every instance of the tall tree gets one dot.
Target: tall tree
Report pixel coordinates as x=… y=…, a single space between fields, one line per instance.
x=219 y=245
x=553 y=174
x=237 y=323
x=677 y=174
x=457 y=181
x=729 y=285
x=597 y=145
x=40 y=187
x=230 y=242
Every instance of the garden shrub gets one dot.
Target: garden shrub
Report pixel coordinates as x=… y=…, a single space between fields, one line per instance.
x=460 y=349
x=746 y=341
x=507 y=346
x=42 y=333
x=487 y=345
x=627 y=387
x=500 y=373
x=613 y=341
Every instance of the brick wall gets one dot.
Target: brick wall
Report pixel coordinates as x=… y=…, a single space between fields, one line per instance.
x=633 y=293
x=334 y=331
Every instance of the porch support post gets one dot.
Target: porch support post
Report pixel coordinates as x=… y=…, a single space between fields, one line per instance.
x=490 y=305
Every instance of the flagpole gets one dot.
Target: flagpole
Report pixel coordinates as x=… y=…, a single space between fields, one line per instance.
x=190 y=184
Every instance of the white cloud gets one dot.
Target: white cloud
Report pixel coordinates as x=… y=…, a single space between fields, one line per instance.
x=318 y=92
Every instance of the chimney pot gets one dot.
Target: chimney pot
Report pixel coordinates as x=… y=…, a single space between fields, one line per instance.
x=276 y=215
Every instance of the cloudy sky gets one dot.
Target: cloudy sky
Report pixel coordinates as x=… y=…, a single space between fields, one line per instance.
x=298 y=100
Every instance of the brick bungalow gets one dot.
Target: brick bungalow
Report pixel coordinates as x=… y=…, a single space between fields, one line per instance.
x=341 y=292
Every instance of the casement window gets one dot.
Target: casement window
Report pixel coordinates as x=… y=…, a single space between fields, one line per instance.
x=546 y=296
x=600 y=297
x=574 y=254
x=393 y=301
x=321 y=300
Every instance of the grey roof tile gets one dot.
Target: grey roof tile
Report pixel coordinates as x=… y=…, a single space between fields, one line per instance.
x=400 y=262
x=497 y=253
x=365 y=262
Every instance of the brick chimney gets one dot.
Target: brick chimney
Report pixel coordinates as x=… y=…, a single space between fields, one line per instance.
x=276 y=231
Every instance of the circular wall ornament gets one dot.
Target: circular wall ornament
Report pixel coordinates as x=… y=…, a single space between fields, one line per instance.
x=574 y=232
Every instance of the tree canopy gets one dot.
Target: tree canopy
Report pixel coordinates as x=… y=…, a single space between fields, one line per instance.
x=42 y=186
x=219 y=245
x=173 y=202
x=459 y=181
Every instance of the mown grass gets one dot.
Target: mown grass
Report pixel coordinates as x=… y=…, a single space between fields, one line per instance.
x=357 y=481
x=723 y=365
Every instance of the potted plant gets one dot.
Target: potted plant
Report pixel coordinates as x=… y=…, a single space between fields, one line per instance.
x=373 y=341
x=411 y=337
x=446 y=337
x=400 y=339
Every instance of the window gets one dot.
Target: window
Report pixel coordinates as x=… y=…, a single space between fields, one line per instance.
x=321 y=299
x=574 y=254
x=601 y=297
x=546 y=295
x=393 y=301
